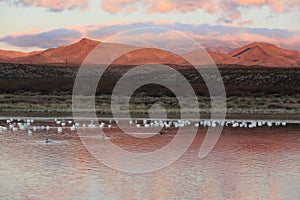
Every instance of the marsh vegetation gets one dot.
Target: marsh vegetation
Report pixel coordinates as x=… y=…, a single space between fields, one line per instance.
x=251 y=91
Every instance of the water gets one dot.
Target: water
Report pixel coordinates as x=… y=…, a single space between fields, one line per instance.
x=261 y=163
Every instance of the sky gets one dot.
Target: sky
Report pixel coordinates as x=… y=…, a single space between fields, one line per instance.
x=28 y=25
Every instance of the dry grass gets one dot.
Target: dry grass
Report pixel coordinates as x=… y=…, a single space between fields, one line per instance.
x=52 y=105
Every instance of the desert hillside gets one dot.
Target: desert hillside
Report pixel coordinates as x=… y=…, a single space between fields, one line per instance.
x=262 y=54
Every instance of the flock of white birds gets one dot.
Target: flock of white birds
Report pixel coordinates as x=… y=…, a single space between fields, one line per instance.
x=29 y=126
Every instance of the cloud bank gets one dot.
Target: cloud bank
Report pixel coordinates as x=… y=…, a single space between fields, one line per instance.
x=44 y=40
x=227 y=11
x=215 y=37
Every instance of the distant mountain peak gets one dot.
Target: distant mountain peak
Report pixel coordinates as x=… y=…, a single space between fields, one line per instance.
x=256 y=53
x=87 y=41
x=262 y=45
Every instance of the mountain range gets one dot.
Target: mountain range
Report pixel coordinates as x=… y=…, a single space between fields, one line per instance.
x=253 y=54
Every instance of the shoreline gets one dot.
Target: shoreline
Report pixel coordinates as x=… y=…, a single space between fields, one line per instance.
x=230 y=118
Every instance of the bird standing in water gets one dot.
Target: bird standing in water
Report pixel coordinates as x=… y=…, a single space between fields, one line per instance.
x=162 y=132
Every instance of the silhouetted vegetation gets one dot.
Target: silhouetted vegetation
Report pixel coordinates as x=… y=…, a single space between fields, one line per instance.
x=239 y=81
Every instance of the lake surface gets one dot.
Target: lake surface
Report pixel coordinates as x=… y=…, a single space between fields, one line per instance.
x=261 y=163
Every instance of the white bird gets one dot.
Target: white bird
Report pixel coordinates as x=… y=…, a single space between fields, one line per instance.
x=59 y=129
x=73 y=128
x=180 y=125
x=91 y=125
x=252 y=124
x=22 y=128
x=29 y=132
x=259 y=123
x=213 y=124
x=235 y=124
x=243 y=125
x=208 y=123
x=11 y=126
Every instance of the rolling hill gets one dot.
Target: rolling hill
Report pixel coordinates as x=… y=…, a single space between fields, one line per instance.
x=266 y=55
x=71 y=55
x=263 y=54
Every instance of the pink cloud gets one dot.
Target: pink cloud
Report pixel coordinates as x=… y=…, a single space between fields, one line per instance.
x=114 y=6
x=227 y=11
x=250 y=2
x=53 y=5
x=158 y=6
